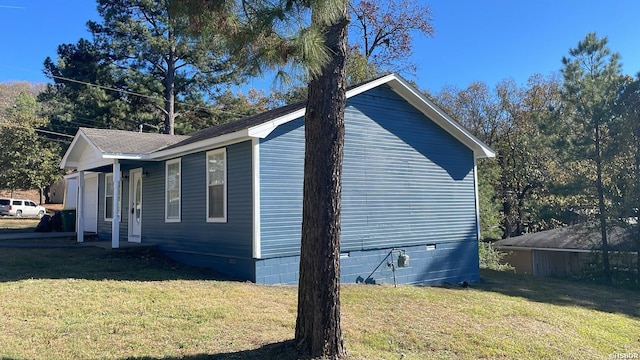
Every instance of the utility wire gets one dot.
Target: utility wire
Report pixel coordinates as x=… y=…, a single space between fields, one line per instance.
x=132 y=93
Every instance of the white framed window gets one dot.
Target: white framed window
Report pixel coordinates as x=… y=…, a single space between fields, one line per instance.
x=108 y=198
x=217 y=185
x=172 y=191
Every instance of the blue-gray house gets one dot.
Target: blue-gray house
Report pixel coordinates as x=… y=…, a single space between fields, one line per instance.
x=230 y=197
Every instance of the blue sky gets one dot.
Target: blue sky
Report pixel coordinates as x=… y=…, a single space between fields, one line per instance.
x=487 y=40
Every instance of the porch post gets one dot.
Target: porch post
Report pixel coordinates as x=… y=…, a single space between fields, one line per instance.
x=80 y=208
x=115 y=224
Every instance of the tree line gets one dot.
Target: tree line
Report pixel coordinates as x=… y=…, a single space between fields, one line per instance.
x=567 y=148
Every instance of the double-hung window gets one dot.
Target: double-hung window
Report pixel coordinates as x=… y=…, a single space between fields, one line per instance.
x=217 y=185
x=108 y=198
x=172 y=193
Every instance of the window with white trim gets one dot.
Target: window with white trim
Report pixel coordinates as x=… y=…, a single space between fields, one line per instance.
x=217 y=185
x=172 y=191
x=108 y=198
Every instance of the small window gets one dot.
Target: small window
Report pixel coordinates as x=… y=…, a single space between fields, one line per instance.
x=172 y=193
x=17 y=202
x=217 y=186
x=108 y=198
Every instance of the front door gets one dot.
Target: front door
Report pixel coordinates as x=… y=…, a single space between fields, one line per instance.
x=135 y=211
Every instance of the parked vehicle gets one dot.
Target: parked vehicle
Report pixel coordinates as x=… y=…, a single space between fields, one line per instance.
x=20 y=207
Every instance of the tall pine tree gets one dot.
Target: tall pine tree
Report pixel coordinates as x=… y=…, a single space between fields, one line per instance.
x=592 y=76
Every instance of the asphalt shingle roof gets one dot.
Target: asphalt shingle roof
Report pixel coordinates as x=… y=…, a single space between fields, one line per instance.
x=239 y=124
x=130 y=142
x=581 y=237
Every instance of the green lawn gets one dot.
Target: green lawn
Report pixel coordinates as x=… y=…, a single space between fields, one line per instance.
x=10 y=224
x=91 y=303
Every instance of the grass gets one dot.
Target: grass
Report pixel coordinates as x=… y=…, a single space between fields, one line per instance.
x=10 y=224
x=92 y=303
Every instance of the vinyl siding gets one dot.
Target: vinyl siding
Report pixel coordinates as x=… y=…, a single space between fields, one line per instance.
x=104 y=227
x=405 y=180
x=193 y=234
x=281 y=179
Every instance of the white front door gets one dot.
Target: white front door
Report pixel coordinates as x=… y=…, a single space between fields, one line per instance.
x=135 y=200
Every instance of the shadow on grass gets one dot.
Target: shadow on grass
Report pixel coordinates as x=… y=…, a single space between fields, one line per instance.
x=562 y=292
x=284 y=350
x=92 y=263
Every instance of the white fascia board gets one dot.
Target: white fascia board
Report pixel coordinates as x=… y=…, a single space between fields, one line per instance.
x=263 y=130
x=205 y=144
x=426 y=106
x=77 y=141
x=125 y=156
x=370 y=85
x=411 y=95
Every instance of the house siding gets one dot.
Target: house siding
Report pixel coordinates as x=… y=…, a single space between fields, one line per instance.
x=225 y=247
x=406 y=183
x=193 y=234
x=104 y=226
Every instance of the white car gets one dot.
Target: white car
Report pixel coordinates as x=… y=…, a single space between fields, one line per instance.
x=21 y=207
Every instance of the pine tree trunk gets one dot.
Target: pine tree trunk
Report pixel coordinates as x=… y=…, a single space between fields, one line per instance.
x=601 y=205
x=318 y=330
x=170 y=92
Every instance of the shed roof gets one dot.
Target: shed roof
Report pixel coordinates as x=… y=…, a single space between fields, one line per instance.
x=584 y=237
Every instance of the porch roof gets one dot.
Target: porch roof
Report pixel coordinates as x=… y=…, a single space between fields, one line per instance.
x=93 y=148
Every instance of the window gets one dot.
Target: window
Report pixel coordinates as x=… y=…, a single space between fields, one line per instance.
x=217 y=186
x=172 y=186
x=108 y=198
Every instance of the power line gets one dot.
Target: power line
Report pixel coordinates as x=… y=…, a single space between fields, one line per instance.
x=128 y=92
x=53 y=133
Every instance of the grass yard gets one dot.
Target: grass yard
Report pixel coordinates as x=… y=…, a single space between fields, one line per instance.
x=91 y=303
x=10 y=224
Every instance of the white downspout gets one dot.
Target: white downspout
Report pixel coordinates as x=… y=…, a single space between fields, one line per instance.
x=477 y=196
x=115 y=223
x=255 y=170
x=80 y=208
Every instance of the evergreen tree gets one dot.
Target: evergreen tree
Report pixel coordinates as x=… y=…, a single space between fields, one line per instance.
x=84 y=92
x=627 y=129
x=265 y=39
x=592 y=76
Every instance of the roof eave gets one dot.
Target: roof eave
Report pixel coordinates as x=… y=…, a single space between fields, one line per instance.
x=209 y=143
x=411 y=95
x=263 y=130
x=68 y=161
x=433 y=112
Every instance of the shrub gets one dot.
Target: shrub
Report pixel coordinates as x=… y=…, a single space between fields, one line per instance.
x=490 y=258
